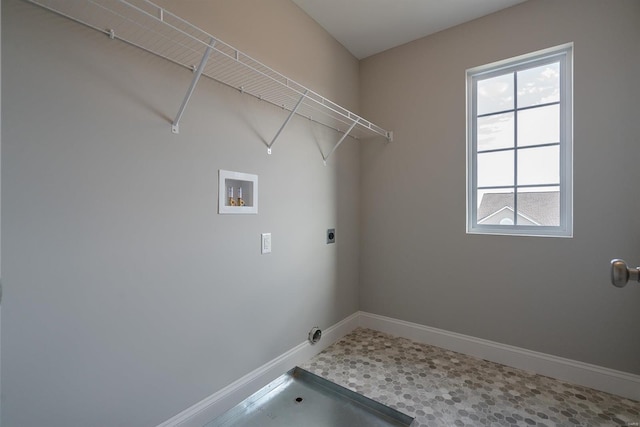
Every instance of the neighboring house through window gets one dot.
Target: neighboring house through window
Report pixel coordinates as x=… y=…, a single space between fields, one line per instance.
x=520 y=145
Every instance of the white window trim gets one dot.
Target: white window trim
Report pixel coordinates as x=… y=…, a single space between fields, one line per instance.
x=565 y=229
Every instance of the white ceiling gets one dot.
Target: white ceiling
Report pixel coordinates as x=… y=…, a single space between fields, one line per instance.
x=366 y=27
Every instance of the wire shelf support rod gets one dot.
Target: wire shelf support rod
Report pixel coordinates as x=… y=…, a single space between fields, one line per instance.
x=286 y=122
x=344 y=136
x=175 y=126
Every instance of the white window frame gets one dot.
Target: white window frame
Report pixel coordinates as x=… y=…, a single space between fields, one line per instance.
x=564 y=55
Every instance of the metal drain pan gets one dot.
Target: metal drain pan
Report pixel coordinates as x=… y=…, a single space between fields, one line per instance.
x=300 y=398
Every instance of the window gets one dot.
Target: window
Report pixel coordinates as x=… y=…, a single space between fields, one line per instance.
x=519 y=145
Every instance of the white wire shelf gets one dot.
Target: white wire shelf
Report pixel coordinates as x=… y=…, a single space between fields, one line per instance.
x=143 y=24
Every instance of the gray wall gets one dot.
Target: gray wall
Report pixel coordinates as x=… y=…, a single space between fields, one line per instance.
x=127 y=297
x=546 y=294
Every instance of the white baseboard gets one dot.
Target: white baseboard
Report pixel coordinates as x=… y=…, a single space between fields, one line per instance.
x=596 y=377
x=226 y=398
x=599 y=378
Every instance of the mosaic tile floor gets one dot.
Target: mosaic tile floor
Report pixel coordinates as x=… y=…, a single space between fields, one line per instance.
x=443 y=388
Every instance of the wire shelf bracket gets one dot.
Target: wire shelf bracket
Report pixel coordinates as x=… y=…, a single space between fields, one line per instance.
x=143 y=24
x=340 y=141
x=286 y=122
x=175 y=126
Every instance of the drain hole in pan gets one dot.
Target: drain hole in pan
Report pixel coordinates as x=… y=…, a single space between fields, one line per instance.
x=298 y=399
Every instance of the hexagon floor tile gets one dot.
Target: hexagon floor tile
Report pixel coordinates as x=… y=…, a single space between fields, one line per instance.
x=444 y=388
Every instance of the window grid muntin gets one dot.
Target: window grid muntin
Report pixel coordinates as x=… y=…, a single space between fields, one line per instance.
x=526 y=147
x=504 y=187
x=562 y=56
x=529 y=107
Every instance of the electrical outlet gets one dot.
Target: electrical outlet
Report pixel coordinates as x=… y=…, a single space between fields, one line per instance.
x=331 y=235
x=265 y=247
